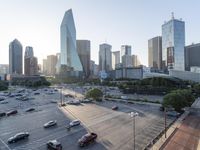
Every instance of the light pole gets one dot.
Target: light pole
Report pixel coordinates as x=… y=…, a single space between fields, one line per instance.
x=133 y=115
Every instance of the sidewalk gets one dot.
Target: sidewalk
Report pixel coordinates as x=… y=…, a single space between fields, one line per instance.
x=158 y=145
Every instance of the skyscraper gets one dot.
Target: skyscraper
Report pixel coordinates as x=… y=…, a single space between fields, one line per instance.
x=135 y=61
x=126 y=56
x=173 y=42
x=155 y=52
x=69 y=55
x=83 y=48
x=105 y=59
x=192 y=53
x=115 y=59
x=28 y=52
x=51 y=64
x=30 y=62
x=15 y=57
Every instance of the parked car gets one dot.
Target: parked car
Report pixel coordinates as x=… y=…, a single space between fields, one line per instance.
x=115 y=107
x=36 y=93
x=86 y=101
x=74 y=123
x=86 y=139
x=161 y=108
x=173 y=113
x=73 y=102
x=18 y=136
x=54 y=145
x=2 y=114
x=2 y=98
x=50 y=124
x=124 y=97
x=29 y=109
x=4 y=102
x=12 y=112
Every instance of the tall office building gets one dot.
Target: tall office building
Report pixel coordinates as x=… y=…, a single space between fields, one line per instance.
x=4 y=68
x=125 y=50
x=30 y=62
x=83 y=48
x=51 y=64
x=173 y=42
x=135 y=60
x=192 y=53
x=155 y=52
x=105 y=58
x=15 y=57
x=126 y=56
x=44 y=66
x=28 y=52
x=115 y=59
x=69 y=59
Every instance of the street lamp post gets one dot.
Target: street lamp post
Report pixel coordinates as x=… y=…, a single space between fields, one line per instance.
x=133 y=115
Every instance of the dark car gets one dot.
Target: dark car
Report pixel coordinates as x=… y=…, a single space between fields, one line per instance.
x=162 y=108
x=115 y=107
x=30 y=109
x=36 y=93
x=86 y=139
x=50 y=124
x=2 y=114
x=18 y=136
x=12 y=112
x=54 y=145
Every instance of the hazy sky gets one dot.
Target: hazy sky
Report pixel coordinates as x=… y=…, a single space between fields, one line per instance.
x=37 y=22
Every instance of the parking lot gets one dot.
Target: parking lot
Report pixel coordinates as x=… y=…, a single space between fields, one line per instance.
x=114 y=128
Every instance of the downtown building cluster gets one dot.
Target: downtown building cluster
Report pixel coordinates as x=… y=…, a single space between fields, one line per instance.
x=168 y=53
x=74 y=58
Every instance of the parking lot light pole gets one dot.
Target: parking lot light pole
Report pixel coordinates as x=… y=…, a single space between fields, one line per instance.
x=165 y=121
x=133 y=115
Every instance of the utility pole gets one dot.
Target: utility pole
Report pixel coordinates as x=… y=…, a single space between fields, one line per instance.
x=165 y=122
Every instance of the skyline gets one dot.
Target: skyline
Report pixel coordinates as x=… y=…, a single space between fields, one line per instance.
x=37 y=24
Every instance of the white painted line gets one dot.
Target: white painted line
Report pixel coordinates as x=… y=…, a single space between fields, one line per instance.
x=5 y=144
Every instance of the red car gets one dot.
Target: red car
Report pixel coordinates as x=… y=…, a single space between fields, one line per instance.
x=86 y=139
x=12 y=112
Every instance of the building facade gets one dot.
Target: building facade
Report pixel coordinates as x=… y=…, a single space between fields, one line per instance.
x=69 y=59
x=51 y=65
x=192 y=54
x=155 y=52
x=173 y=42
x=83 y=48
x=126 y=56
x=30 y=62
x=15 y=57
x=135 y=61
x=115 y=59
x=105 y=58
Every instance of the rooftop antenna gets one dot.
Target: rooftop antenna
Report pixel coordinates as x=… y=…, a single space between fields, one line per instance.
x=172 y=15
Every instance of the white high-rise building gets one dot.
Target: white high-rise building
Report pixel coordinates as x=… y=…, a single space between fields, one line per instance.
x=69 y=58
x=115 y=59
x=105 y=58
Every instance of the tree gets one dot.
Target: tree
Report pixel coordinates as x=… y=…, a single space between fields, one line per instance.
x=95 y=94
x=178 y=99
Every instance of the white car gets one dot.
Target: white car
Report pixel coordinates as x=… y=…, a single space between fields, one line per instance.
x=54 y=144
x=74 y=123
x=50 y=124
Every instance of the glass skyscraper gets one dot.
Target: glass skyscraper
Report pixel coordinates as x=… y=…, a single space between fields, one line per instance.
x=69 y=56
x=173 y=42
x=15 y=57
